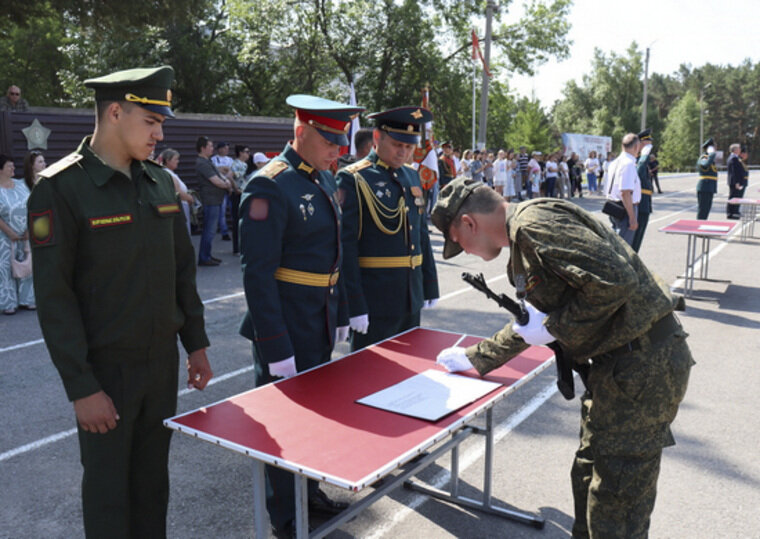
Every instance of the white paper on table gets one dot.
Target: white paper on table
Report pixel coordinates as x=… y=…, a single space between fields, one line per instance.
x=714 y=228
x=430 y=395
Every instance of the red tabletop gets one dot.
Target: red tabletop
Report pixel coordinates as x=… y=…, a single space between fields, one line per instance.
x=311 y=423
x=697 y=227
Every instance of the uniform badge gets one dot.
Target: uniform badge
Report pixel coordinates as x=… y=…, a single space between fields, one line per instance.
x=303 y=210
x=533 y=282
x=388 y=193
x=310 y=208
x=381 y=184
x=42 y=227
x=379 y=193
x=110 y=220
x=259 y=209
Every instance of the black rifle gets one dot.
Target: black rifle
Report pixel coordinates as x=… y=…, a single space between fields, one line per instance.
x=565 y=382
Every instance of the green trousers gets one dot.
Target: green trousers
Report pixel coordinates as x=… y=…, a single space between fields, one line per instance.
x=633 y=398
x=125 y=484
x=704 y=204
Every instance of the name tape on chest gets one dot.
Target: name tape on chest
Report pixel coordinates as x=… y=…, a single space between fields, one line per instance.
x=110 y=220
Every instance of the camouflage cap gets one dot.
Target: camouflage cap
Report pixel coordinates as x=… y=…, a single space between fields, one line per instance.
x=450 y=200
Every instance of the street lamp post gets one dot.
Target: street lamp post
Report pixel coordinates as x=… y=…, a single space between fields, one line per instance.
x=702 y=112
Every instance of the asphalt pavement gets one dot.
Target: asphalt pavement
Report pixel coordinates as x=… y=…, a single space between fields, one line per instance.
x=709 y=484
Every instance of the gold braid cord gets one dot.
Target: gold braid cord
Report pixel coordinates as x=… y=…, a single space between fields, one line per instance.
x=378 y=210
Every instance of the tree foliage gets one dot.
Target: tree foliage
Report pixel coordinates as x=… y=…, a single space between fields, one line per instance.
x=680 y=140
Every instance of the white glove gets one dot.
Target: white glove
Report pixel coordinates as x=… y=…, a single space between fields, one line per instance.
x=359 y=324
x=534 y=332
x=646 y=150
x=341 y=333
x=454 y=359
x=710 y=149
x=429 y=303
x=285 y=368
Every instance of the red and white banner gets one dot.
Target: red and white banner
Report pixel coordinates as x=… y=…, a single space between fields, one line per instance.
x=477 y=53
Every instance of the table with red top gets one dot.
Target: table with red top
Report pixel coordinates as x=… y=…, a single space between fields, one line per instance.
x=311 y=425
x=697 y=229
x=749 y=215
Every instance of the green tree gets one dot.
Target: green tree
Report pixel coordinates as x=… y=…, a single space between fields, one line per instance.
x=531 y=128
x=680 y=145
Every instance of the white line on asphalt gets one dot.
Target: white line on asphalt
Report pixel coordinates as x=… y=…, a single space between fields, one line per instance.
x=40 y=341
x=472 y=455
x=66 y=433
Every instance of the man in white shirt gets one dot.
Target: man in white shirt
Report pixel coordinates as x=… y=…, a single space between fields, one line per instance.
x=223 y=163
x=625 y=187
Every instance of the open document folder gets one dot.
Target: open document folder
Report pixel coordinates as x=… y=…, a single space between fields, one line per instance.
x=430 y=395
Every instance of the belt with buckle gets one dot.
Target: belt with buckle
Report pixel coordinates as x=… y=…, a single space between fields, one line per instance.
x=306 y=278
x=411 y=261
x=660 y=330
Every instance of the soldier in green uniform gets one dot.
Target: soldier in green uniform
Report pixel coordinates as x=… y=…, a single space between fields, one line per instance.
x=290 y=229
x=645 y=205
x=388 y=263
x=588 y=291
x=707 y=185
x=114 y=277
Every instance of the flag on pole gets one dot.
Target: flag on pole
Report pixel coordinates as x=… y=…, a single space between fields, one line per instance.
x=477 y=53
x=355 y=125
x=425 y=153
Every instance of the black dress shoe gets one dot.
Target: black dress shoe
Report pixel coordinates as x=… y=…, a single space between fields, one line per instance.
x=208 y=262
x=319 y=503
x=226 y=237
x=215 y=259
x=288 y=531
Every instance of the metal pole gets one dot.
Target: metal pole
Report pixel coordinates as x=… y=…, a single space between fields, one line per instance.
x=474 y=97
x=701 y=116
x=644 y=104
x=484 y=89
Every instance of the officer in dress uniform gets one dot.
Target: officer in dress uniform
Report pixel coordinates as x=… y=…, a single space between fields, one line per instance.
x=707 y=185
x=290 y=230
x=388 y=262
x=737 y=176
x=645 y=206
x=114 y=277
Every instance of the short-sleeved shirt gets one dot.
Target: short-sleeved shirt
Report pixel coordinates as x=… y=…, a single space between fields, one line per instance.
x=624 y=177
x=211 y=195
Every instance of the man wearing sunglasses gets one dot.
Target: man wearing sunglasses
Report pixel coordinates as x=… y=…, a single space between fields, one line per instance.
x=13 y=102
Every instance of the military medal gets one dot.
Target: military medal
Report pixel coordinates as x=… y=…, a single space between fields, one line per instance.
x=379 y=193
x=417 y=194
x=310 y=208
x=303 y=210
x=388 y=193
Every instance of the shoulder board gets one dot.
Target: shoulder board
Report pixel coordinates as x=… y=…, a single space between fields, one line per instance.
x=61 y=164
x=273 y=168
x=359 y=165
x=410 y=166
x=152 y=162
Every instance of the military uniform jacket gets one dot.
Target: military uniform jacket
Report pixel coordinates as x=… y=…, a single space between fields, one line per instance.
x=708 y=174
x=374 y=288
x=595 y=290
x=291 y=220
x=737 y=171
x=642 y=167
x=114 y=269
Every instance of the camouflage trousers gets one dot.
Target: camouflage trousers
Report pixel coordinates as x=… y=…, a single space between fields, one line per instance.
x=633 y=398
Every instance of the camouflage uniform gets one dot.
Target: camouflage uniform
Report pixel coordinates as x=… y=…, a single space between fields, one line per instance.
x=601 y=303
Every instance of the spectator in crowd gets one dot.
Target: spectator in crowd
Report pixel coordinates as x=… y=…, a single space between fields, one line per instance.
x=466 y=162
x=223 y=163
x=605 y=171
x=625 y=187
x=13 y=102
x=260 y=160
x=524 y=172
x=169 y=158
x=500 y=172
x=446 y=169
x=552 y=171
x=476 y=166
x=576 y=183
x=237 y=168
x=488 y=159
x=213 y=186
x=34 y=163
x=456 y=157
x=14 y=293
x=534 y=178
x=563 y=180
x=363 y=142
x=592 y=169
x=654 y=167
x=735 y=178
x=509 y=187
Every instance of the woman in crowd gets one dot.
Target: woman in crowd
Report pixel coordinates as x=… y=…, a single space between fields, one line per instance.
x=170 y=159
x=534 y=180
x=500 y=172
x=14 y=293
x=563 y=177
x=477 y=167
x=509 y=187
x=575 y=175
x=488 y=172
x=466 y=161
x=592 y=169
x=34 y=163
x=552 y=170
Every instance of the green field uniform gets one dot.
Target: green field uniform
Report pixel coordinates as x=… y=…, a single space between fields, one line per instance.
x=114 y=277
x=601 y=303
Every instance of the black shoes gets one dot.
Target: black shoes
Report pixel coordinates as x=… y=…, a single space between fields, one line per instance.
x=209 y=262
x=215 y=259
x=226 y=237
x=734 y=216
